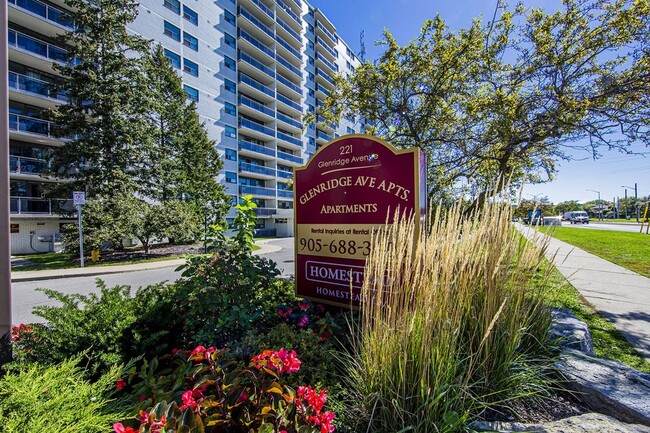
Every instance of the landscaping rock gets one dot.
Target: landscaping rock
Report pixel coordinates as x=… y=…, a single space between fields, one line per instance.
x=571 y=332
x=607 y=386
x=587 y=423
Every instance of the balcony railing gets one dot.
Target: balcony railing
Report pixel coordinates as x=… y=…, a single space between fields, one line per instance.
x=285 y=174
x=264 y=211
x=288 y=29
x=32 y=125
x=322 y=44
x=245 y=145
x=31 y=205
x=327 y=32
x=322 y=89
x=256 y=190
x=324 y=136
x=36 y=46
x=257 y=169
x=289 y=102
x=285 y=193
x=288 y=47
x=289 y=139
x=325 y=75
x=264 y=9
x=22 y=165
x=289 y=120
x=243 y=78
x=48 y=12
x=288 y=83
x=256 y=43
x=256 y=64
x=289 y=157
x=289 y=12
x=288 y=65
x=322 y=58
x=244 y=13
x=245 y=123
x=243 y=100
x=32 y=85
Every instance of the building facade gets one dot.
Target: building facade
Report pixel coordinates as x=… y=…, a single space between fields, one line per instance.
x=254 y=68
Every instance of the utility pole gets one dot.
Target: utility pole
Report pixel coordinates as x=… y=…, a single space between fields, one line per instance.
x=598 y=205
x=636 y=206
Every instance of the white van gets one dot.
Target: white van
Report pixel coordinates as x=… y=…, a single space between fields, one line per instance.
x=576 y=216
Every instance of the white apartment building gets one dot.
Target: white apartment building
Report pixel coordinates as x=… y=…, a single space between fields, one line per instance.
x=254 y=67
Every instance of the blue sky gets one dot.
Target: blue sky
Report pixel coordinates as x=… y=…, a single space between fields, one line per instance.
x=403 y=18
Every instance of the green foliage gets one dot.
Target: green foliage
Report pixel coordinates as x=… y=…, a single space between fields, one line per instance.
x=226 y=292
x=542 y=203
x=57 y=398
x=200 y=391
x=107 y=329
x=508 y=98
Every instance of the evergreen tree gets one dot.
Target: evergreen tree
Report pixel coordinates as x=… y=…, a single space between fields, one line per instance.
x=104 y=114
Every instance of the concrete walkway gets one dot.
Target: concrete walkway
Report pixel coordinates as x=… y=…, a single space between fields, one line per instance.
x=620 y=295
x=20 y=276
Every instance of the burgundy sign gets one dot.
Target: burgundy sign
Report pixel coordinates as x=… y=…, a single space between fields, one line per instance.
x=346 y=190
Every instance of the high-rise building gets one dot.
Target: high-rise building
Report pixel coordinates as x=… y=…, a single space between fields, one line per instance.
x=254 y=68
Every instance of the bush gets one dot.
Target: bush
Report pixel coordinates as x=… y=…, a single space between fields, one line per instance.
x=108 y=329
x=57 y=398
x=451 y=324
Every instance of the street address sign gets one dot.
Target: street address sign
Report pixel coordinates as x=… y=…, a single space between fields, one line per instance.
x=344 y=192
x=78 y=197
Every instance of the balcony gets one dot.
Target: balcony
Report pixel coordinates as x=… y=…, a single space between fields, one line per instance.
x=259 y=66
x=289 y=121
x=256 y=43
x=257 y=23
x=33 y=86
x=31 y=125
x=323 y=90
x=256 y=190
x=291 y=32
x=283 y=193
x=264 y=211
x=28 y=166
x=323 y=136
x=32 y=45
x=255 y=148
x=37 y=206
x=289 y=12
x=289 y=157
x=245 y=79
x=288 y=102
x=325 y=76
x=50 y=13
x=332 y=67
x=289 y=139
x=245 y=123
x=320 y=44
x=288 y=47
x=256 y=169
x=291 y=68
x=289 y=85
x=261 y=108
x=285 y=174
x=263 y=8
x=326 y=32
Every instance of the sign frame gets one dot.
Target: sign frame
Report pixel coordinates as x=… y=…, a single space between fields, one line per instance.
x=419 y=201
x=78 y=198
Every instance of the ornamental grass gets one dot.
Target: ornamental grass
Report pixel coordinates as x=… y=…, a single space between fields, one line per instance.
x=453 y=322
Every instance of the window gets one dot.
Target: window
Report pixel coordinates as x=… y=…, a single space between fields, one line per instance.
x=310 y=44
x=190 y=15
x=310 y=92
x=310 y=28
x=190 y=41
x=173 y=5
x=229 y=40
x=350 y=130
x=231 y=131
x=190 y=67
x=174 y=58
x=310 y=76
x=192 y=93
x=310 y=108
x=172 y=31
x=233 y=200
x=230 y=63
x=231 y=177
x=310 y=59
x=311 y=12
x=312 y=141
x=348 y=65
x=311 y=126
x=231 y=109
x=228 y=17
x=229 y=85
x=231 y=155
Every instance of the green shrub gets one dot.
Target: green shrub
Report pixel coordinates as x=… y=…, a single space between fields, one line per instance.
x=36 y=399
x=451 y=322
x=109 y=328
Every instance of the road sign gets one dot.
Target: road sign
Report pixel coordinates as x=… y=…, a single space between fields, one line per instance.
x=78 y=197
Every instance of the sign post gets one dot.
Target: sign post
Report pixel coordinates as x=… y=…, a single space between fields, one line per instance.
x=348 y=189
x=79 y=199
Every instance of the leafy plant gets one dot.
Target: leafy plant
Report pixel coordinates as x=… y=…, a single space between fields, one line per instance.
x=57 y=398
x=201 y=392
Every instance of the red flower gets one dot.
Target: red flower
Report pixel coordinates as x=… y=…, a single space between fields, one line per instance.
x=303 y=321
x=242 y=397
x=188 y=401
x=324 y=420
x=121 y=383
x=17 y=331
x=304 y=306
x=290 y=363
x=325 y=335
x=281 y=361
x=200 y=353
x=284 y=313
x=320 y=307
x=119 y=428
x=313 y=398
x=175 y=351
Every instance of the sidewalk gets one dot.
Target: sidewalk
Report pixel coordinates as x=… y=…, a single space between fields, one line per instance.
x=620 y=295
x=20 y=276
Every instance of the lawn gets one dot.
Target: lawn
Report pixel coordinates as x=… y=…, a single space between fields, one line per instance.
x=629 y=250
x=48 y=261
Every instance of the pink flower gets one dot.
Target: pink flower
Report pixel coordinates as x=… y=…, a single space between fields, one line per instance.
x=200 y=353
x=242 y=397
x=303 y=321
x=121 y=383
x=119 y=428
x=281 y=361
x=188 y=401
x=284 y=313
x=290 y=363
x=175 y=351
x=313 y=398
x=304 y=306
x=324 y=420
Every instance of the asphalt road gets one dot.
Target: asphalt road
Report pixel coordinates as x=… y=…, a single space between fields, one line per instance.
x=598 y=225
x=25 y=296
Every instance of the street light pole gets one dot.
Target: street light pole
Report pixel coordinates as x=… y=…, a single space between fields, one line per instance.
x=635 y=200
x=598 y=204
